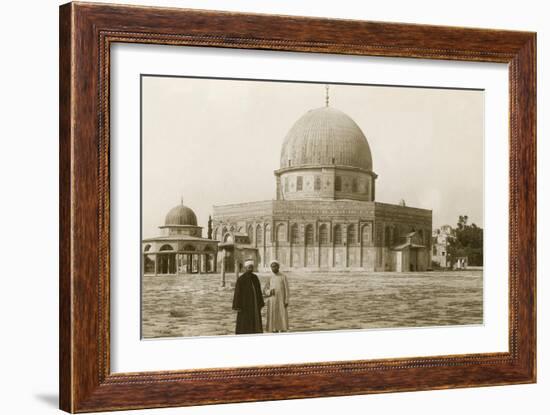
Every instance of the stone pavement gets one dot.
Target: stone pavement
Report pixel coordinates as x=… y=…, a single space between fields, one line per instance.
x=195 y=305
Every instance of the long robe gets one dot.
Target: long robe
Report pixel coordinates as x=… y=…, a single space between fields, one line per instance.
x=248 y=303
x=278 y=296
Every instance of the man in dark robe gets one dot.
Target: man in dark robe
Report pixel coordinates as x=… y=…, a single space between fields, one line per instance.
x=248 y=301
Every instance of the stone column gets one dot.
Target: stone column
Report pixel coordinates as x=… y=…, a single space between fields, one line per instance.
x=199 y=263
x=345 y=239
x=318 y=253
x=291 y=253
x=223 y=268
x=304 y=259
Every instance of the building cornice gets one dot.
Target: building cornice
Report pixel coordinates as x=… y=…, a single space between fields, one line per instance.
x=324 y=166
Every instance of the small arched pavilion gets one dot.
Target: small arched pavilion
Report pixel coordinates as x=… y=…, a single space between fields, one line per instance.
x=180 y=249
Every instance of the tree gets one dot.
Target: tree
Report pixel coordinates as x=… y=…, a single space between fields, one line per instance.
x=466 y=241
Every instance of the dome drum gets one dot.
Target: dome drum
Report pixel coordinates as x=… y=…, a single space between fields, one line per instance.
x=325 y=183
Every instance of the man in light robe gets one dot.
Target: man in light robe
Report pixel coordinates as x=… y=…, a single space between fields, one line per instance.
x=248 y=301
x=277 y=292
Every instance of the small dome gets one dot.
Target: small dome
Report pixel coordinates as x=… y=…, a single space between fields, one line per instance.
x=325 y=136
x=180 y=215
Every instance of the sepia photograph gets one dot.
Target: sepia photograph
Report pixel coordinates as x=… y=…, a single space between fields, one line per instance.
x=283 y=206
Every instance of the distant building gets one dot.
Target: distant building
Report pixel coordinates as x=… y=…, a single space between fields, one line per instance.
x=325 y=216
x=440 y=244
x=180 y=249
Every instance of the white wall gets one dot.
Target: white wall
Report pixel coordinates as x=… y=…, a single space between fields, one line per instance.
x=28 y=213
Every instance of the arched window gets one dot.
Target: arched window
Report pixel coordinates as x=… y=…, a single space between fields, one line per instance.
x=338 y=183
x=268 y=234
x=309 y=235
x=166 y=248
x=354 y=185
x=281 y=232
x=224 y=231
x=249 y=232
x=352 y=234
x=317 y=183
x=367 y=186
x=147 y=248
x=388 y=236
x=299 y=183
x=259 y=236
x=232 y=229
x=294 y=233
x=366 y=234
x=338 y=235
x=323 y=234
x=228 y=238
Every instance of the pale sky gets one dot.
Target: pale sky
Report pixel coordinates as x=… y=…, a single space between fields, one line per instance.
x=215 y=142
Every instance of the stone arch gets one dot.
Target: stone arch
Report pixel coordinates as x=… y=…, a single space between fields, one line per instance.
x=337 y=235
x=166 y=247
x=323 y=234
x=309 y=240
x=294 y=233
x=259 y=239
x=387 y=236
x=281 y=232
x=352 y=234
x=366 y=233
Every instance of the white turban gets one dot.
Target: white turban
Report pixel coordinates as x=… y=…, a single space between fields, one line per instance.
x=274 y=262
x=248 y=262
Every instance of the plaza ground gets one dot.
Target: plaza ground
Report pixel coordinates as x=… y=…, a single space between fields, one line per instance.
x=196 y=305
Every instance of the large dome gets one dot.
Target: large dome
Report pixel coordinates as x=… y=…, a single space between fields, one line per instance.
x=325 y=136
x=180 y=215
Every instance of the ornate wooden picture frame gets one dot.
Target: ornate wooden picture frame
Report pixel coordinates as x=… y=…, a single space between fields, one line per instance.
x=87 y=32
